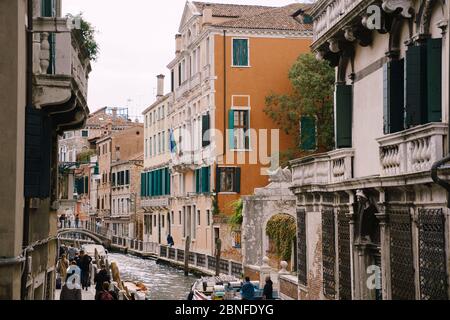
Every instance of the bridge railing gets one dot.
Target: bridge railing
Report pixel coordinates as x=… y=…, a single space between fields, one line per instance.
x=201 y=260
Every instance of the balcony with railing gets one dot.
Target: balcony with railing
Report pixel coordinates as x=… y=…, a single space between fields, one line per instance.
x=160 y=202
x=328 y=168
x=339 y=20
x=413 y=150
x=61 y=67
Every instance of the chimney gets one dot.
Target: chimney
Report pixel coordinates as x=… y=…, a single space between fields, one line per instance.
x=178 y=43
x=114 y=113
x=160 y=88
x=207 y=16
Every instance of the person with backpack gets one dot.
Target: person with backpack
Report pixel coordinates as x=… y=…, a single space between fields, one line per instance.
x=105 y=295
x=100 y=278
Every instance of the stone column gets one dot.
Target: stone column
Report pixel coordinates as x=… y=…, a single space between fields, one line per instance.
x=265 y=271
x=385 y=255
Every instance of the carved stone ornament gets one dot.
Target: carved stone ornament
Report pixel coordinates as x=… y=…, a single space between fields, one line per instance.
x=334 y=45
x=349 y=34
x=392 y=5
x=280 y=175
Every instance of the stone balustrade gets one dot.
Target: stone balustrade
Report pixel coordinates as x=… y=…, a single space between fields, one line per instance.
x=331 y=167
x=155 y=202
x=330 y=13
x=411 y=151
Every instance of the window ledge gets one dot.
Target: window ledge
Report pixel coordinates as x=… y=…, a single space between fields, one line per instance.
x=228 y=193
x=241 y=150
x=244 y=67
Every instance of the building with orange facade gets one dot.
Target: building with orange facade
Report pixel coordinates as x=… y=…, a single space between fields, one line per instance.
x=228 y=59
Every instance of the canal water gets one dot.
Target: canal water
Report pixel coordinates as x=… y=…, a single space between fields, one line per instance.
x=164 y=282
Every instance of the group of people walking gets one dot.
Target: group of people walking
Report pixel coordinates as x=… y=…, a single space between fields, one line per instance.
x=74 y=268
x=69 y=220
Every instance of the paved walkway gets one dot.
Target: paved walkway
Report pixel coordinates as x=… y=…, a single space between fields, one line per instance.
x=86 y=295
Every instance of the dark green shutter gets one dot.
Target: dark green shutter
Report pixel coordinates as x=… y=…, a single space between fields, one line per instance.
x=240 y=52
x=205 y=130
x=237 y=180
x=197 y=181
x=127 y=177
x=217 y=179
x=205 y=177
x=96 y=169
x=343 y=116
x=416 y=86
x=308 y=133
x=114 y=179
x=231 y=128
x=86 y=185
x=142 y=184
x=393 y=96
x=434 y=75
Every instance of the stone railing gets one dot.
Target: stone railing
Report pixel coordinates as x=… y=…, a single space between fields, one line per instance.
x=181 y=90
x=63 y=48
x=155 y=202
x=195 y=80
x=332 y=167
x=331 y=12
x=413 y=150
x=206 y=73
x=201 y=261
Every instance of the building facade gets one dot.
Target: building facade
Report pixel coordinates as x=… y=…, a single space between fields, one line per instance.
x=44 y=88
x=126 y=215
x=372 y=222
x=225 y=66
x=114 y=148
x=156 y=191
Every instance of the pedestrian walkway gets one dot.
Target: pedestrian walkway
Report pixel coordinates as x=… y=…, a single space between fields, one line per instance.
x=86 y=295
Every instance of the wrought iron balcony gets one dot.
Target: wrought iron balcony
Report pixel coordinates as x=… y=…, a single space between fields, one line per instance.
x=327 y=168
x=413 y=150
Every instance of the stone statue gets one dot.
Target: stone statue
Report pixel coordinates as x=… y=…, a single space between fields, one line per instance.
x=280 y=175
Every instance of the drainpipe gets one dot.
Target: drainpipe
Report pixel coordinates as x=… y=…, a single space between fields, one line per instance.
x=434 y=170
x=224 y=92
x=29 y=104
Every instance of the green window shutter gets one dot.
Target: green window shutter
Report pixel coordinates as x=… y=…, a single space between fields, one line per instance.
x=114 y=179
x=217 y=179
x=231 y=128
x=48 y=8
x=205 y=130
x=237 y=180
x=142 y=184
x=127 y=177
x=160 y=182
x=205 y=180
x=308 y=133
x=167 y=178
x=434 y=76
x=240 y=52
x=197 y=181
x=393 y=96
x=86 y=185
x=343 y=115
x=96 y=169
x=416 y=86
x=151 y=183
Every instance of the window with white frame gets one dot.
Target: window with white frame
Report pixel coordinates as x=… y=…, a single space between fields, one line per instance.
x=240 y=52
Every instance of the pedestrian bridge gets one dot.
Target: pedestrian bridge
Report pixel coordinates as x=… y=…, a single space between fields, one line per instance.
x=97 y=238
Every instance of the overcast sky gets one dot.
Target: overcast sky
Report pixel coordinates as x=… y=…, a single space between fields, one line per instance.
x=136 y=39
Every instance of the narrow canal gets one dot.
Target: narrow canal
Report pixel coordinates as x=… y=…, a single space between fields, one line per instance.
x=164 y=282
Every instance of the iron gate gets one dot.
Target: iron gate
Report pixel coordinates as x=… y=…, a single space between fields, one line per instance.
x=401 y=255
x=345 y=282
x=432 y=257
x=329 y=253
x=301 y=247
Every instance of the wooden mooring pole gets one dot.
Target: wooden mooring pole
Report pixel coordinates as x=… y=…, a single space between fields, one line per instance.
x=186 y=255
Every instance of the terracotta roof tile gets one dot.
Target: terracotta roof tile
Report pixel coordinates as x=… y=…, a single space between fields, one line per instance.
x=231 y=10
x=284 y=18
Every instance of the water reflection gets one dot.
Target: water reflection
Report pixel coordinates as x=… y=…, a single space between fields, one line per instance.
x=164 y=282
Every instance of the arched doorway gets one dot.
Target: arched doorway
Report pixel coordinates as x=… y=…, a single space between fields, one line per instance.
x=281 y=233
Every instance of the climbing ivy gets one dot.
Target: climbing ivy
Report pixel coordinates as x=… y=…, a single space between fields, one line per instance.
x=282 y=230
x=236 y=219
